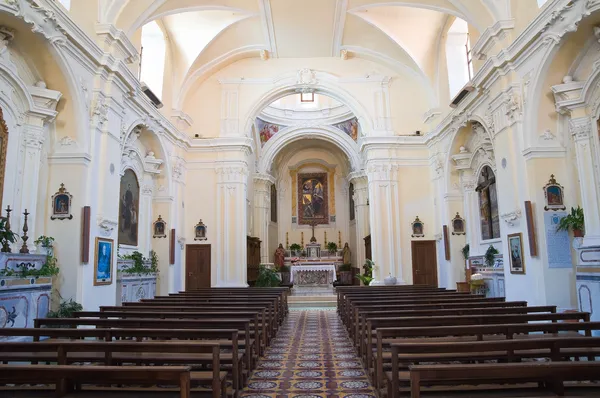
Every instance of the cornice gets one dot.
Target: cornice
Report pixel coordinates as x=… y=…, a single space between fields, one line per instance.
x=492 y=35
x=222 y=144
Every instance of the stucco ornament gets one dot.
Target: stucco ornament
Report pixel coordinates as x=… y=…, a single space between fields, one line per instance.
x=307 y=77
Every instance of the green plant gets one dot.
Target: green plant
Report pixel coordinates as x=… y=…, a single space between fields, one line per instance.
x=139 y=263
x=45 y=241
x=490 y=256
x=345 y=267
x=6 y=236
x=367 y=275
x=284 y=268
x=295 y=247
x=65 y=309
x=574 y=221
x=266 y=277
x=332 y=247
x=465 y=251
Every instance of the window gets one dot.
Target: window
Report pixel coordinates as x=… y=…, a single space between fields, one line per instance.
x=488 y=204
x=307 y=97
x=152 y=63
x=458 y=56
x=541 y=3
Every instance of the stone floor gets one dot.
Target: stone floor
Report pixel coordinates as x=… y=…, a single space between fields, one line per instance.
x=310 y=357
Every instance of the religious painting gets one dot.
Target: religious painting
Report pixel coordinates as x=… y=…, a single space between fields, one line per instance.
x=418 y=229
x=313 y=199
x=273 y=203
x=351 y=195
x=458 y=225
x=129 y=209
x=515 y=250
x=350 y=127
x=3 y=147
x=266 y=130
x=160 y=228
x=488 y=204
x=61 y=204
x=103 y=262
x=200 y=231
x=554 y=194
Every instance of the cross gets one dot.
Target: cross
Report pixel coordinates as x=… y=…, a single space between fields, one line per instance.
x=313 y=225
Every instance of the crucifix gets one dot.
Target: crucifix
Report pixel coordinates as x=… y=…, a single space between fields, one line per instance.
x=313 y=225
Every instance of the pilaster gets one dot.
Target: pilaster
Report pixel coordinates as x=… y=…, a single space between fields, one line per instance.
x=581 y=130
x=361 y=213
x=262 y=207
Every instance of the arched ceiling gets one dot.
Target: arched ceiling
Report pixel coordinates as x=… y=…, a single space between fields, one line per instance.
x=210 y=34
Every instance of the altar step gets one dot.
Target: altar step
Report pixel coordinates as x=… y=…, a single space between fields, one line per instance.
x=297 y=302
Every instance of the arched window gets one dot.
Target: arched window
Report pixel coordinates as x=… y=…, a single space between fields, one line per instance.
x=66 y=4
x=129 y=208
x=541 y=3
x=153 y=57
x=458 y=56
x=488 y=204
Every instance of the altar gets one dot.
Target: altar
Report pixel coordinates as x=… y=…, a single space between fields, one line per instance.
x=312 y=274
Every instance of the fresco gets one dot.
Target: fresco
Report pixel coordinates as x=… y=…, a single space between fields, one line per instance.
x=350 y=127
x=266 y=130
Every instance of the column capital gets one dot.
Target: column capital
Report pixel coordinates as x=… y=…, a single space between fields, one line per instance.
x=382 y=171
x=262 y=178
x=581 y=128
x=357 y=178
x=232 y=172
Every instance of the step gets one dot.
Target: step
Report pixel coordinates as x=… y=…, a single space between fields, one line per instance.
x=312 y=304
x=312 y=298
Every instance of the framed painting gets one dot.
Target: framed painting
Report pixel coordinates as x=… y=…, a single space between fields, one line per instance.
x=160 y=228
x=3 y=147
x=129 y=209
x=554 y=195
x=103 y=262
x=515 y=253
x=418 y=228
x=61 y=204
x=313 y=199
x=200 y=231
x=458 y=225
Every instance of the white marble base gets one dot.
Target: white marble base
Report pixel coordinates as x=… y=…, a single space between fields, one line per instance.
x=321 y=290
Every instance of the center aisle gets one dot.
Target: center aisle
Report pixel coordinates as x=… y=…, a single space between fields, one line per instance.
x=310 y=357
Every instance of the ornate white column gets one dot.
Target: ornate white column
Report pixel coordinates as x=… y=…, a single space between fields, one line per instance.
x=384 y=212
x=145 y=217
x=471 y=206
x=361 y=213
x=581 y=129
x=262 y=212
x=232 y=180
x=33 y=139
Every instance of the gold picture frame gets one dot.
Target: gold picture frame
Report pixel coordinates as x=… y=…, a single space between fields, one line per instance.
x=103 y=261
x=3 y=147
x=516 y=258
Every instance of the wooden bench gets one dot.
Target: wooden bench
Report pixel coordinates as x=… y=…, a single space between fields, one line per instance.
x=66 y=376
x=552 y=374
x=505 y=351
x=193 y=354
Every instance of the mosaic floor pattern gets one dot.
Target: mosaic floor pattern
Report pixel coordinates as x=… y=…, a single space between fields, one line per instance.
x=311 y=357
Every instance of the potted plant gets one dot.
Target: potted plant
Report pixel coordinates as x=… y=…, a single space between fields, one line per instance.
x=345 y=274
x=332 y=247
x=266 y=277
x=295 y=248
x=6 y=236
x=490 y=256
x=367 y=275
x=65 y=310
x=465 y=251
x=573 y=221
x=45 y=245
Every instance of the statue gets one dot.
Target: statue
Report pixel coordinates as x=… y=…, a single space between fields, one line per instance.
x=346 y=254
x=279 y=256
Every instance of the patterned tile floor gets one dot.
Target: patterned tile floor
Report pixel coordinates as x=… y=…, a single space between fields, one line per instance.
x=310 y=357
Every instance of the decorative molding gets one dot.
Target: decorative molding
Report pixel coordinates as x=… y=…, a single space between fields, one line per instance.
x=581 y=128
x=511 y=217
x=547 y=135
x=493 y=35
x=106 y=225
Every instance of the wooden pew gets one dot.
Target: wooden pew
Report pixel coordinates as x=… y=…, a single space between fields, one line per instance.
x=503 y=351
x=435 y=321
x=552 y=374
x=243 y=325
x=462 y=333
x=226 y=338
x=66 y=376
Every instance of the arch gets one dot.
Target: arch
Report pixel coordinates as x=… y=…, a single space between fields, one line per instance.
x=326 y=85
x=325 y=133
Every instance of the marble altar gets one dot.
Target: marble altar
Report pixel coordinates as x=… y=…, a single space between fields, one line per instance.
x=313 y=274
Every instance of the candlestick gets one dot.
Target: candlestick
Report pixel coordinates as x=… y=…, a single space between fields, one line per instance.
x=5 y=242
x=24 y=249
x=287 y=240
x=302 y=238
x=325 y=240
x=339 y=238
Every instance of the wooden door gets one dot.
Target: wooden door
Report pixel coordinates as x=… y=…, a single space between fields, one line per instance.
x=368 y=247
x=424 y=261
x=197 y=266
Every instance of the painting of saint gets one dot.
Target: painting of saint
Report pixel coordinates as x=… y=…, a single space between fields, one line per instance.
x=103 y=263
x=61 y=204
x=159 y=228
x=313 y=198
x=266 y=130
x=200 y=231
x=349 y=127
x=129 y=209
x=515 y=246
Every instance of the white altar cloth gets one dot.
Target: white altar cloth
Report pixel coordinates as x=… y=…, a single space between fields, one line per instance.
x=312 y=268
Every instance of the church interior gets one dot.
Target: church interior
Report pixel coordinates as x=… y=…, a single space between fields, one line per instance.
x=315 y=198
